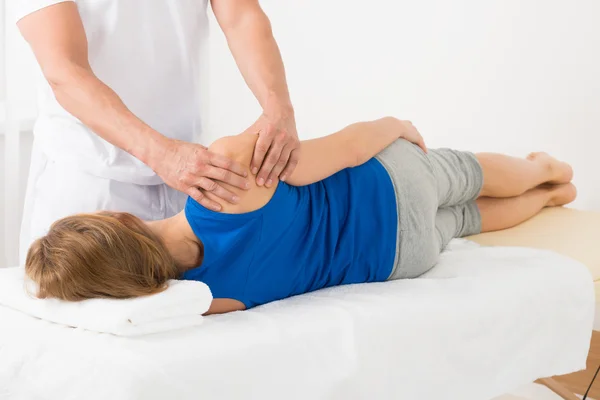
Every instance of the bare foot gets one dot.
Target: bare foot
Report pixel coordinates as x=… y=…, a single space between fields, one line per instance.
x=562 y=194
x=561 y=172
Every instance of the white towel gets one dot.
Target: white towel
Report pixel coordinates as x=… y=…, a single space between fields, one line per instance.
x=180 y=306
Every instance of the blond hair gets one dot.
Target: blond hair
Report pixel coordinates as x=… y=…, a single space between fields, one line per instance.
x=107 y=255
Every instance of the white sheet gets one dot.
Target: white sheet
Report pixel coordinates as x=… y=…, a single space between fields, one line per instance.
x=483 y=322
x=180 y=306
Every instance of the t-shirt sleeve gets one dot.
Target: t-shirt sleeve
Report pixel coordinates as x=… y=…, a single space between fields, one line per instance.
x=25 y=7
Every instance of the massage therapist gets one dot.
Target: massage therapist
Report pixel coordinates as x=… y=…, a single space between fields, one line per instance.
x=119 y=107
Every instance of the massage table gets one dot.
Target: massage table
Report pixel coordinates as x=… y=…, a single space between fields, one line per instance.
x=567 y=231
x=573 y=233
x=484 y=321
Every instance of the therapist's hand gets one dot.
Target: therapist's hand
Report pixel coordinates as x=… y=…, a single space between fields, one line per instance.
x=277 y=150
x=192 y=168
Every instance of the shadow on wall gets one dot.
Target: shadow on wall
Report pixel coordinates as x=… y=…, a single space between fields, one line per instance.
x=26 y=142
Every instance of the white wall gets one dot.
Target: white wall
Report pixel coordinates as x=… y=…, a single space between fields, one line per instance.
x=21 y=68
x=25 y=149
x=506 y=75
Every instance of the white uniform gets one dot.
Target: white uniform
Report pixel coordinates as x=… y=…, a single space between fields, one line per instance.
x=148 y=52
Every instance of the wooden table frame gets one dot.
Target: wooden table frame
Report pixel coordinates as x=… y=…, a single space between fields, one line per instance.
x=558 y=388
x=567 y=386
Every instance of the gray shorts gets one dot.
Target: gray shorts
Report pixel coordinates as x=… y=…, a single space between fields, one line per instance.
x=435 y=195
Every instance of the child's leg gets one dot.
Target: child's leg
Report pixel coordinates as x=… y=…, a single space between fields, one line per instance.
x=503 y=213
x=455 y=222
x=505 y=176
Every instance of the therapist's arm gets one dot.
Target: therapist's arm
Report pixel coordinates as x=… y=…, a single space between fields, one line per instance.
x=250 y=39
x=58 y=40
x=352 y=146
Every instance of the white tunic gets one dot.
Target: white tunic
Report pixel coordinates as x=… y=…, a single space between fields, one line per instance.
x=148 y=52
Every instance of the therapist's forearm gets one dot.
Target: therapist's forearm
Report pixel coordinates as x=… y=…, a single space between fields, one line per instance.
x=95 y=104
x=259 y=60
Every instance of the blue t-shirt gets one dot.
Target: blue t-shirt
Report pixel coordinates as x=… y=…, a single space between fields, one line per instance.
x=338 y=231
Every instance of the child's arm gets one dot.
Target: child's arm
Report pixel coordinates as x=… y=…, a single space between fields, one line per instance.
x=222 y=306
x=350 y=147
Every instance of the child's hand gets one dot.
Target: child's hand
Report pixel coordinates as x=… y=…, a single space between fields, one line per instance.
x=410 y=133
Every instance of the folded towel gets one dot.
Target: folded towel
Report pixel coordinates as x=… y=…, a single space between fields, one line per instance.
x=180 y=306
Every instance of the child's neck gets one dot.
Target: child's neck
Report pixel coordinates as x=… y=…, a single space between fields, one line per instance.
x=177 y=235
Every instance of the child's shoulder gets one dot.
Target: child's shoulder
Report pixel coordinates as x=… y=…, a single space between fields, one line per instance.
x=239 y=148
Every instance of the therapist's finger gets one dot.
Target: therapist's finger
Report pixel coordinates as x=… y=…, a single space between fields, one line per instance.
x=263 y=144
x=226 y=176
x=279 y=166
x=208 y=185
x=227 y=163
x=201 y=198
x=291 y=165
x=271 y=160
